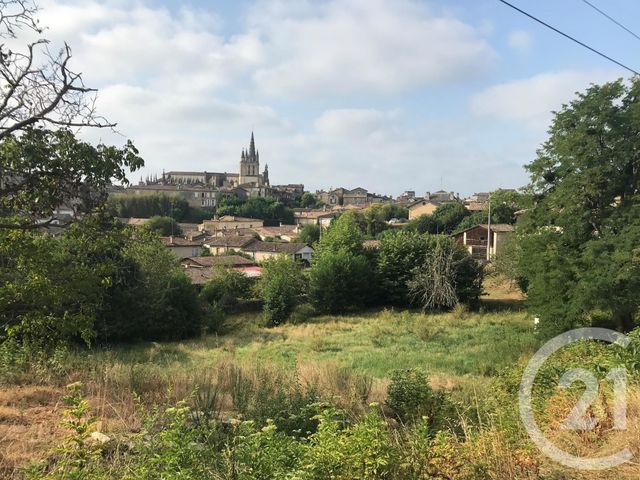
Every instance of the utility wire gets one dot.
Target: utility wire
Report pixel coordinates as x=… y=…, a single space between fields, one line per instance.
x=570 y=37
x=610 y=18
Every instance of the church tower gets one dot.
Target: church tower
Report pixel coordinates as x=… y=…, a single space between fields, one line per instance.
x=250 y=165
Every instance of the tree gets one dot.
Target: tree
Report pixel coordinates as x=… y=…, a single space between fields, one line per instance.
x=265 y=208
x=579 y=239
x=309 y=200
x=38 y=86
x=340 y=280
x=344 y=233
x=309 y=234
x=43 y=170
x=226 y=288
x=164 y=226
x=505 y=204
x=447 y=276
x=398 y=255
x=281 y=285
x=448 y=216
x=146 y=206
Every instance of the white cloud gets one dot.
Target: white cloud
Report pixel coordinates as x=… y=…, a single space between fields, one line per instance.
x=360 y=46
x=353 y=124
x=520 y=40
x=188 y=94
x=531 y=100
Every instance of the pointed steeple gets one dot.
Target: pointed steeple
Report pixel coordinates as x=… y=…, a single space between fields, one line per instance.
x=252 y=148
x=243 y=156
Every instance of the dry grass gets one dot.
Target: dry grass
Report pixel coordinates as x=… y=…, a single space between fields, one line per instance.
x=29 y=425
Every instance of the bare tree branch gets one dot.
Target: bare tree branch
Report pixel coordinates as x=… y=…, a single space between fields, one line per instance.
x=38 y=85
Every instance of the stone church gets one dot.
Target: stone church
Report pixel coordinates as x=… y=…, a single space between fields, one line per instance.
x=203 y=189
x=249 y=178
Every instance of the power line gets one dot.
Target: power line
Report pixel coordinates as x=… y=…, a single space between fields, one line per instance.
x=570 y=37
x=610 y=18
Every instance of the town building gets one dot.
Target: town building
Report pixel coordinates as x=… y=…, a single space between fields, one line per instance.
x=204 y=189
x=428 y=204
x=261 y=251
x=356 y=197
x=230 y=222
x=183 y=247
x=475 y=239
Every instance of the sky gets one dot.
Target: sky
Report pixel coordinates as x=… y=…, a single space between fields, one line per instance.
x=389 y=95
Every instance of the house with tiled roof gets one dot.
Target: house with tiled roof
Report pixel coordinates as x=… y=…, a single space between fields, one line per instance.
x=477 y=238
x=261 y=251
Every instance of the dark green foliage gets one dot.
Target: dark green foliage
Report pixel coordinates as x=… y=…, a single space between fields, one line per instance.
x=226 y=288
x=180 y=315
x=476 y=218
x=281 y=285
x=268 y=209
x=44 y=169
x=309 y=234
x=448 y=216
x=344 y=233
x=341 y=281
x=423 y=224
x=164 y=226
x=147 y=206
x=579 y=241
x=505 y=204
x=101 y=281
x=410 y=397
x=398 y=255
x=309 y=200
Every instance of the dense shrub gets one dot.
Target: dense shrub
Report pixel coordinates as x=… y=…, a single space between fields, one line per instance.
x=410 y=397
x=164 y=226
x=227 y=288
x=281 y=285
x=340 y=281
x=399 y=254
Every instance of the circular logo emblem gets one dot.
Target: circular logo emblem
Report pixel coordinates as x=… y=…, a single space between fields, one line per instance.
x=576 y=419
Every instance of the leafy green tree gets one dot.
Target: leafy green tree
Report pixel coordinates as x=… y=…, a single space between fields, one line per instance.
x=44 y=169
x=476 y=218
x=45 y=300
x=265 y=208
x=448 y=216
x=340 y=280
x=422 y=224
x=281 y=285
x=398 y=255
x=505 y=204
x=344 y=233
x=147 y=206
x=164 y=226
x=310 y=200
x=309 y=234
x=579 y=239
x=226 y=288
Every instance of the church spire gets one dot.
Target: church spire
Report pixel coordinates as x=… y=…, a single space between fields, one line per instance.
x=252 y=147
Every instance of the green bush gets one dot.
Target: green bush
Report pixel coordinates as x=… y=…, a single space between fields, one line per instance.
x=281 y=285
x=410 y=397
x=340 y=281
x=226 y=288
x=302 y=313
